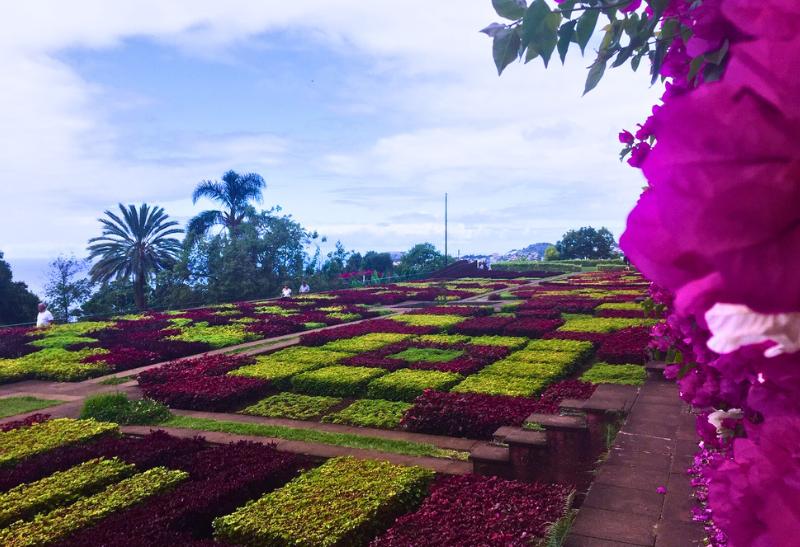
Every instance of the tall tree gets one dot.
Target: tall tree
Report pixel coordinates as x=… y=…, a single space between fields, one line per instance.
x=379 y=262
x=234 y=193
x=422 y=257
x=587 y=242
x=66 y=289
x=17 y=303
x=136 y=246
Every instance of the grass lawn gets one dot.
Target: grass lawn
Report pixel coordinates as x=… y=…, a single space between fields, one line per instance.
x=11 y=406
x=314 y=436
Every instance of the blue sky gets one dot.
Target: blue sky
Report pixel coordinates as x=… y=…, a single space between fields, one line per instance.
x=359 y=115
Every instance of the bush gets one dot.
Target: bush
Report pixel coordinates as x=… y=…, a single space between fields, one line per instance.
x=309 y=355
x=625 y=346
x=483 y=325
x=277 y=373
x=439 y=321
x=470 y=509
x=116 y=407
x=449 y=339
x=492 y=384
x=343 y=502
x=338 y=381
x=531 y=327
x=603 y=324
x=580 y=347
x=370 y=413
x=511 y=342
x=41 y=437
x=291 y=405
x=414 y=355
x=603 y=373
x=52 y=526
x=61 y=488
x=365 y=342
x=543 y=371
x=407 y=385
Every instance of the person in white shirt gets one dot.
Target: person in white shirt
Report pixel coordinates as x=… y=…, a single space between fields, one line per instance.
x=44 y=318
x=304 y=288
x=286 y=292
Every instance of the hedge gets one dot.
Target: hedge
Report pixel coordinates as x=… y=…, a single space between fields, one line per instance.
x=528 y=369
x=52 y=526
x=407 y=385
x=337 y=381
x=308 y=355
x=343 y=502
x=291 y=405
x=603 y=324
x=365 y=342
x=492 y=384
x=511 y=342
x=443 y=338
x=27 y=441
x=415 y=355
x=61 y=488
x=277 y=373
x=604 y=373
x=440 y=321
x=371 y=413
x=581 y=347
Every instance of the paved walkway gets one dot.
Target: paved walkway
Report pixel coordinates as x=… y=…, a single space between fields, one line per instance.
x=653 y=449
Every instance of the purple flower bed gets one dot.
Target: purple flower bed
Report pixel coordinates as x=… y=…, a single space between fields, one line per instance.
x=478 y=416
x=14 y=342
x=152 y=450
x=221 y=479
x=202 y=384
x=531 y=327
x=625 y=346
x=473 y=510
x=480 y=326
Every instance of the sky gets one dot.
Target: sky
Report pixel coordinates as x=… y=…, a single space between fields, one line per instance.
x=359 y=115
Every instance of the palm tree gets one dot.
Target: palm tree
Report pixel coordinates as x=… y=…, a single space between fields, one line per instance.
x=234 y=192
x=136 y=244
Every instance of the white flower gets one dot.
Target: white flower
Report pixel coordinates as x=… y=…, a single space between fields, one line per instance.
x=716 y=417
x=735 y=325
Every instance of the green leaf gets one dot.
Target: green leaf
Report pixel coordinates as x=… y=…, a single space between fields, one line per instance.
x=510 y=9
x=595 y=74
x=623 y=55
x=539 y=30
x=718 y=56
x=656 y=60
x=565 y=34
x=567 y=7
x=585 y=28
x=505 y=48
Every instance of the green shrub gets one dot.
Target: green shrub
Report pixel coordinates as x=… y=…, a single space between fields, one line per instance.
x=371 y=413
x=511 y=342
x=116 y=407
x=494 y=384
x=314 y=325
x=577 y=346
x=27 y=441
x=55 y=525
x=365 y=342
x=343 y=316
x=339 y=381
x=589 y=323
x=218 y=336
x=54 y=364
x=11 y=406
x=527 y=369
x=304 y=354
x=61 y=488
x=635 y=306
x=433 y=320
x=291 y=405
x=443 y=338
x=407 y=384
x=603 y=373
x=342 y=502
x=415 y=355
x=567 y=358
x=277 y=372
x=61 y=341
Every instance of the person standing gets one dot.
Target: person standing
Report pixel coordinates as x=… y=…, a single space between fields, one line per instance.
x=44 y=318
x=304 y=288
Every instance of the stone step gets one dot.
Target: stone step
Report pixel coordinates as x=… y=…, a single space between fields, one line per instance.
x=499 y=436
x=555 y=422
x=489 y=459
x=526 y=438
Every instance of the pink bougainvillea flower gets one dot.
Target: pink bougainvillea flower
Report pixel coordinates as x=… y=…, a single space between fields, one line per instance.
x=626 y=137
x=639 y=154
x=717 y=418
x=734 y=325
x=633 y=6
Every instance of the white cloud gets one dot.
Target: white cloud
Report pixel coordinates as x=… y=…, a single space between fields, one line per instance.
x=450 y=125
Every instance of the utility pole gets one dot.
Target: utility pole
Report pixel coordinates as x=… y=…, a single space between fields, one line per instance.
x=445 y=229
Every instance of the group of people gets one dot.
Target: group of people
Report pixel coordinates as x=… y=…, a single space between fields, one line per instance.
x=286 y=292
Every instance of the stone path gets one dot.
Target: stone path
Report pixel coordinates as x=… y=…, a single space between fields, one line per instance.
x=653 y=449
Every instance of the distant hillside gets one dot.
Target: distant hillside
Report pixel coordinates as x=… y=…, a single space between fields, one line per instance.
x=534 y=251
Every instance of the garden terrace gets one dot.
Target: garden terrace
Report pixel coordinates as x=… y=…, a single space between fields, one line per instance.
x=157 y=489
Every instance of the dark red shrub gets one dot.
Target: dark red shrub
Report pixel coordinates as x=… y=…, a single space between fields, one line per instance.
x=566 y=389
x=625 y=346
x=483 y=325
x=531 y=327
x=475 y=511
x=14 y=342
x=24 y=422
